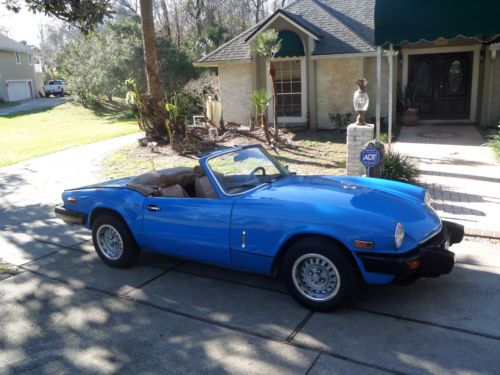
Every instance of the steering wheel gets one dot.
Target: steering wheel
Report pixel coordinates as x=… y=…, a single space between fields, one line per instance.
x=252 y=174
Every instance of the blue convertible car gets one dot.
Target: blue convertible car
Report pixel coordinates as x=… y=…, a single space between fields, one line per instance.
x=324 y=235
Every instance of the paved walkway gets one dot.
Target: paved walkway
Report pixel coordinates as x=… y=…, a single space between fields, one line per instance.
x=460 y=172
x=33 y=104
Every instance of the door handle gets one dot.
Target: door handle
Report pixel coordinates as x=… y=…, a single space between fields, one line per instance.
x=154 y=208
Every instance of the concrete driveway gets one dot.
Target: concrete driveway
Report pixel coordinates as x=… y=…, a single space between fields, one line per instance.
x=32 y=105
x=62 y=311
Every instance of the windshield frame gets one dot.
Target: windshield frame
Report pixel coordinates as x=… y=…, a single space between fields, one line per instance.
x=283 y=171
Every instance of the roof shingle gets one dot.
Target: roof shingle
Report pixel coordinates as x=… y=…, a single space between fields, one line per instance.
x=345 y=26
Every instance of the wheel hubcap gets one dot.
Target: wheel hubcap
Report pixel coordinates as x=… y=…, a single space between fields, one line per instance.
x=316 y=277
x=110 y=242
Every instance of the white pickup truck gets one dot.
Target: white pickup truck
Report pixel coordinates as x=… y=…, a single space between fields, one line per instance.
x=54 y=88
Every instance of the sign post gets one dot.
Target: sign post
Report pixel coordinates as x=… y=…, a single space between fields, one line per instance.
x=370 y=157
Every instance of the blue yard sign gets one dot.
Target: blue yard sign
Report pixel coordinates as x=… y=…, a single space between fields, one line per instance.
x=369 y=157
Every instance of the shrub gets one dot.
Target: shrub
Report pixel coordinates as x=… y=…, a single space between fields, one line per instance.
x=399 y=167
x=494 y=143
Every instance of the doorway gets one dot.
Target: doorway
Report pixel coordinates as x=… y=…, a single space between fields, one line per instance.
x=443 y=83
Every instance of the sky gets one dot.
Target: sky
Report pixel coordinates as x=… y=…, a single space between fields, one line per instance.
x=23 y=25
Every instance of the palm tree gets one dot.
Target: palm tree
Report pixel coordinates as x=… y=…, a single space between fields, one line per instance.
x=268 y=45
x=154 y=100
x=260 y=99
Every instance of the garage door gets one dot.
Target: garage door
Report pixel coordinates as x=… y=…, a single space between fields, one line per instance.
x=18 y=90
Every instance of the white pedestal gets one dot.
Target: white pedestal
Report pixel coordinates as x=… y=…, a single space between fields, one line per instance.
x=357 y=137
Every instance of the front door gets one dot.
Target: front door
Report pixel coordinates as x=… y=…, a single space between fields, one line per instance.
x=194 y=228
x=443 y=84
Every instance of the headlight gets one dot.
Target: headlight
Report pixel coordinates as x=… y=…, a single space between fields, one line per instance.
x=427 y=198
x=399 y=235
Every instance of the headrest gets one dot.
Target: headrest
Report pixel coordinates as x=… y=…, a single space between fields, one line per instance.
x=198 y=171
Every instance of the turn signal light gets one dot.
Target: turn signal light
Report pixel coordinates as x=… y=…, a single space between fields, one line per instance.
x=363 y=244
x=72 y=200
x=414 y=264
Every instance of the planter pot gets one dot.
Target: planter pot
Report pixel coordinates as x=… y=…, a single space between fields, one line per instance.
x=410 y=117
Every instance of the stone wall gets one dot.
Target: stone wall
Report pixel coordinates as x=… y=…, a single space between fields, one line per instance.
x=235 y=89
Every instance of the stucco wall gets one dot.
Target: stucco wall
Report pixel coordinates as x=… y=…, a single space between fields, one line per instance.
x=235 y=88
x=335 y=85
x=10 y=70
x=495 y=95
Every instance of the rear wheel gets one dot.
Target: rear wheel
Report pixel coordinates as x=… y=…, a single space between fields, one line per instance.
x=318 y=274
x=114 y=242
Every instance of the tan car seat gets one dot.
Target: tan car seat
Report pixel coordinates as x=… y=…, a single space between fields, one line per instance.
x=202 y=185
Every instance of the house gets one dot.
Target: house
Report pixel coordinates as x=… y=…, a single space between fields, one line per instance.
x=327 y=44
x=20 y=71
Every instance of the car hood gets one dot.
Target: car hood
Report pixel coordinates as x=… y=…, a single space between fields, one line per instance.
x=374 y=205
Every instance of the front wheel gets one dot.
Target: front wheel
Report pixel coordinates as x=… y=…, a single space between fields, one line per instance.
x=318 y=274
x=114 y=242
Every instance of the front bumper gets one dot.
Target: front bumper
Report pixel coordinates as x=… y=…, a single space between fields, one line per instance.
x=70 y=217
x=431 y=259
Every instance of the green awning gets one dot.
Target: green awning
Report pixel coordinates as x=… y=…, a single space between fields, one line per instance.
x=397 y=21
x=291 y=44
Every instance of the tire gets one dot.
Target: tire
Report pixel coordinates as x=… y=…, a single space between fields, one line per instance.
x=113 y=241
x=329 y=271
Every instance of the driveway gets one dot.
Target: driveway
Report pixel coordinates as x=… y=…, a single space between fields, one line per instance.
x=63 y=311
x=32 y=105
x=460 y=172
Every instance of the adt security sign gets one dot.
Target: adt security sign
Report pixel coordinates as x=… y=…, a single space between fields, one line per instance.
x=370 y=157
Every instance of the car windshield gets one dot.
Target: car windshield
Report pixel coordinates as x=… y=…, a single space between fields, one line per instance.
x=242 y=170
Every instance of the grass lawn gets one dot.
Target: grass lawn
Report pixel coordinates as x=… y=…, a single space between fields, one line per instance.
x=29 y=134
x=321 y=153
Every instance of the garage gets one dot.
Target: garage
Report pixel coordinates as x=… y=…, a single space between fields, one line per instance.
x=19 y=90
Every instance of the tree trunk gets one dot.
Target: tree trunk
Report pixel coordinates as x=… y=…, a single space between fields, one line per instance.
x=166 y=25
x=265 y=126
x=272 y=73
x=154 y=100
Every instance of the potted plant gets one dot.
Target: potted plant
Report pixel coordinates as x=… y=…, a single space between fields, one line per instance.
x=409 y=105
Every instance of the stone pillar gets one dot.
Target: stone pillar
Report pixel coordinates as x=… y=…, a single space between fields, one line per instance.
x=357 y=137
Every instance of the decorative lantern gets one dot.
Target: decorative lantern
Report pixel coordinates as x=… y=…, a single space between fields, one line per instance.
x=361 y=100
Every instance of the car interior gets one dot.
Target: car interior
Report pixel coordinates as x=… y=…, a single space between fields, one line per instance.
x=180 y=182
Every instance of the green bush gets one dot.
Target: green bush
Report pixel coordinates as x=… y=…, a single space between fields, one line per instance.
x=399 y=167
x=494 y=143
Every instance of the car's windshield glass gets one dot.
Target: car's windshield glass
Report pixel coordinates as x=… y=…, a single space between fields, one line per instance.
x=242 y=170
x=55 y=83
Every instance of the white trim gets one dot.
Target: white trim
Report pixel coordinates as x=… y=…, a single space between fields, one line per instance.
x=343 y=55
x=303 y=93
x=289 y=20
x=476 y=49
x=215 y=64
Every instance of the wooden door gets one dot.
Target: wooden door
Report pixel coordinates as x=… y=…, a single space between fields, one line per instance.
x=443 y=84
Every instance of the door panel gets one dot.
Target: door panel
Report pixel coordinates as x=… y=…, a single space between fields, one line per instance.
x=443 y=83
x=195 y=228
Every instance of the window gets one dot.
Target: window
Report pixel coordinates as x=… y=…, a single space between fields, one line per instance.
x=29 y=59
x=288 y=88
x=18 y=58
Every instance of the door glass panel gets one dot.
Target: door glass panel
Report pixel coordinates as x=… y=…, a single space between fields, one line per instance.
x=455 y=76
x=424 y=78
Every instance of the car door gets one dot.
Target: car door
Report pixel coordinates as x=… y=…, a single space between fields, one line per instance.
x=195 y=228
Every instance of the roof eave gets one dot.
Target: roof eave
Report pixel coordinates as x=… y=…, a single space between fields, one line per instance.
x=276 y=15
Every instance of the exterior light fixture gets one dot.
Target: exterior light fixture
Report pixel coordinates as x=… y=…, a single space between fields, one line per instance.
x=361 y=101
